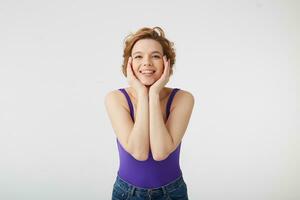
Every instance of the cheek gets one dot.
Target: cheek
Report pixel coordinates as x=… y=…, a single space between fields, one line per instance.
x=160 y=74
x=136 y=72
x=135 y=68
x=160 y=70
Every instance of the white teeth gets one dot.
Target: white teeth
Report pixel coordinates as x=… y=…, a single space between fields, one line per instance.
x=147 y=72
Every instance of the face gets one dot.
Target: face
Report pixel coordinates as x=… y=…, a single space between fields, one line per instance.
x=147 y=63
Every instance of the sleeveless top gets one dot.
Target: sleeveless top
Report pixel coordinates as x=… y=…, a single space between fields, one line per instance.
x=149 y=173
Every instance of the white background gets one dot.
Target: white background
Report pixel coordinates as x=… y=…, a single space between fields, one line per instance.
x=240 y=60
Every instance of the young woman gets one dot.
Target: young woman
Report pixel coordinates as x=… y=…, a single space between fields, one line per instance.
x=149 y=120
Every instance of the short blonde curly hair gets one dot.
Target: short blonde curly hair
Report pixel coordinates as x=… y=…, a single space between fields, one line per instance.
x=155 y=33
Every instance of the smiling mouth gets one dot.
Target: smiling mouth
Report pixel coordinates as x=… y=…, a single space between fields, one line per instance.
x=147 y=72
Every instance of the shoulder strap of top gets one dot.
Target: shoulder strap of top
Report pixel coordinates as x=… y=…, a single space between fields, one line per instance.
x=170 y=100
x=129 y=102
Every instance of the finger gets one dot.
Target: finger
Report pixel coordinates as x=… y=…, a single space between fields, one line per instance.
x=165 y=59
x=169 y=66
x=129 y=70
x=166 y=72
x=129 y=62
x=166 y=69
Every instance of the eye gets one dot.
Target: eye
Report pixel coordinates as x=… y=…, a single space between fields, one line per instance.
x=137 y=56
x=156 y=56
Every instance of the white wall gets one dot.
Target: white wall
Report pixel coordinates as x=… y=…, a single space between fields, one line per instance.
x=240 y=59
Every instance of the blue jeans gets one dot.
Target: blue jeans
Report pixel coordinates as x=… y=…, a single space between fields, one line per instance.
x=175 y=190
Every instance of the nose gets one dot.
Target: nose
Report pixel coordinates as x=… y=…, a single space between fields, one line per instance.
x=147 y=61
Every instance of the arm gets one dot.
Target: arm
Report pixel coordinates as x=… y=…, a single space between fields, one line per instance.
x=164 y=138
x=134 y=137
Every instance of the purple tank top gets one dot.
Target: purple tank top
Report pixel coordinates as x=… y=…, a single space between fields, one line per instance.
x=149 y=173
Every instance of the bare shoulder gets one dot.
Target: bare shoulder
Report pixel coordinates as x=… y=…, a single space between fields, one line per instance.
x=115 y=97
x=110 y=98
x=119 y=117
x=184 y=98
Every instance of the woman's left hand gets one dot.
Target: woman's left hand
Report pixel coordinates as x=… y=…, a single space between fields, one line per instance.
x=162 y=81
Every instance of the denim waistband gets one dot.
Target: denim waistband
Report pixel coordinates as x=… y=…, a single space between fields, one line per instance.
x=168 y=187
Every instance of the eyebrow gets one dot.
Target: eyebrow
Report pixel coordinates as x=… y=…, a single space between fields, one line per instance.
x=141 y=52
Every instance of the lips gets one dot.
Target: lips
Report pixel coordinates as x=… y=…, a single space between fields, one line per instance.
x=147 y=71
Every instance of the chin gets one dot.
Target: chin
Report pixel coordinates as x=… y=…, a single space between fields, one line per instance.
x=148 y=83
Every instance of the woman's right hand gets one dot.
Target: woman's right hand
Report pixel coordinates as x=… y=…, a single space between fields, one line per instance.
x=132 y=80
